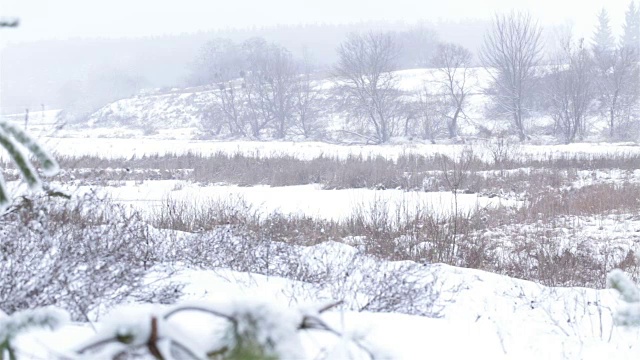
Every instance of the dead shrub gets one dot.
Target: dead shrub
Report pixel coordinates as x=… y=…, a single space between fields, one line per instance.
x=82 y=255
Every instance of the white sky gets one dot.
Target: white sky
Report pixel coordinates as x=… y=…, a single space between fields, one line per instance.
x=47 y=19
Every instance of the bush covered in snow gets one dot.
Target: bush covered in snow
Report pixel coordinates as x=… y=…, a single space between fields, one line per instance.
x=77 y=254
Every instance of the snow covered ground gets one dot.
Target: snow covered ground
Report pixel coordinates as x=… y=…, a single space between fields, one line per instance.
x=487 y=316
x=120 y=142
x=304 y=200
x=125 y=148
x=138 y=146
x=484 y=315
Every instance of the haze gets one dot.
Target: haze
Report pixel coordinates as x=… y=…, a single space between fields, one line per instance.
x=60 y=44
x=327 y=179
x=62 y=19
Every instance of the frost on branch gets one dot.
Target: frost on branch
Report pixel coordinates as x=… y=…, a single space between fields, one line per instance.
x=618 y=280
x=135 y=332
x=253 y=330
x=49 y=165
x=12 y=326
x=629 y=313
x=11 y=138
x=82 y=255
x=261 y=330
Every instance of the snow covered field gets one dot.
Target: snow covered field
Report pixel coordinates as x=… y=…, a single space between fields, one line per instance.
x=115 y=142
x=481 y=315
x=303 y=200
x=126 y=148
x=486 y=317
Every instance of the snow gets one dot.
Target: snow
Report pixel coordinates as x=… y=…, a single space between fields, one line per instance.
x=491 y=316
x=21 y=324
x=302 y=200
x=484 y=315
x=487 y=316
x=619 y=280
x=138 y=146
x=124 y=142
x=12 y=325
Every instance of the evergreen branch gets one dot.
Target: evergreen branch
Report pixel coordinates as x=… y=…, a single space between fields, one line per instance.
x=131 y=341
x=24 y=166
x=618 y=280
x=9 y=23
x=202 y=309
x=315 y=323
x=4 y=196
x=49 y=164
x=18 y=322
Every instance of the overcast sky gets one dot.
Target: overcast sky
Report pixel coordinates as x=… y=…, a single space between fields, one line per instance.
x=61 y=19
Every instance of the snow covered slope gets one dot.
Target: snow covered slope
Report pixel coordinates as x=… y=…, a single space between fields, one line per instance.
x=485 y=316
x=178 y=109
x=184 y=108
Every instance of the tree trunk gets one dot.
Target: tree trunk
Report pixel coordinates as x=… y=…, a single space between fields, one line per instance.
x=520 y=127
x=453 y=126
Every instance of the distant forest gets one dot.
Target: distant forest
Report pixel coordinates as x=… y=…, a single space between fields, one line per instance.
x=55 y=73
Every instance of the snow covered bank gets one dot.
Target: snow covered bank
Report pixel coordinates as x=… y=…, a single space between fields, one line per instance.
x=304 y=200
x=489 y=317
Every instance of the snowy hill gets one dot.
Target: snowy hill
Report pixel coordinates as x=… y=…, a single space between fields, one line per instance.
x=185 y=108
x=169 y=110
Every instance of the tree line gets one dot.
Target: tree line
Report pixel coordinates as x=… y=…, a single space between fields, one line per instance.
x=261 y=90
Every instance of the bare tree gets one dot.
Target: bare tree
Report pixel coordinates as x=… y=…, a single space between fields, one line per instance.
x=453 y=63
x=571 y=89
x=228 y=108
x=618 y=81
x=269 y=86
x=367 y=85
x=256 y=114
x=417 y=45
x=617 y=76
x=429 y=111
x=255 y=87
x=212 y=119
x=282 y=76
x=511 y=51
x=306 y=102
x=218 y=60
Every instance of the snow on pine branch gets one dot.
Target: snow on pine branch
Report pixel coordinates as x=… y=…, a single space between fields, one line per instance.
x=618 y=280
x=20 y=321
x=253 y=329
x=133 y=330
x=17 y=156
x=629 y=313
x=11 y=138
x=49 y=165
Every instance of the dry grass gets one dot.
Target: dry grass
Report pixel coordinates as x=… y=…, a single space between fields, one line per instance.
x=409 y=171
x=82 y=255
x=544 y=186
x=401 y=232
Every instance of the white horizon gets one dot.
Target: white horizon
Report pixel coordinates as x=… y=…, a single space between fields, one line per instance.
x=67 y=19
